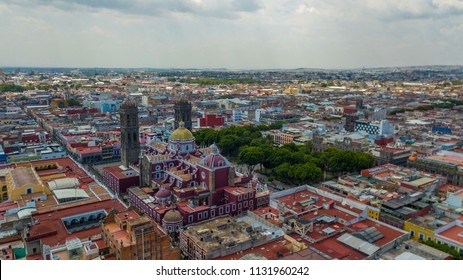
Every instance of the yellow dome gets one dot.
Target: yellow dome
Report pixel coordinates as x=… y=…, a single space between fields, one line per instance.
x=181 y=133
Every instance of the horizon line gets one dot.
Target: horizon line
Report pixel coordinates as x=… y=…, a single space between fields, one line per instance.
x=238 y=69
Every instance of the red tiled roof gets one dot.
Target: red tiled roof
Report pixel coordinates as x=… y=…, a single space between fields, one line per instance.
x=51 y=229
x=7 y=205
x=116 y=171
x=389 y=233
x=454 y=233
x=270 y=250
x=337 y=250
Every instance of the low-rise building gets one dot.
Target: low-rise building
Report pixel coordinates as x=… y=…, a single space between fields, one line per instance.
x=226 y=235
x=129 y=236
x=120 y=178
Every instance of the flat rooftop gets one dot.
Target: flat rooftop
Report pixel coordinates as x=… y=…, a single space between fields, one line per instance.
x=51 y=229
x=220 y=232
x=23 y=176
x=454 y=233
x=271 y=251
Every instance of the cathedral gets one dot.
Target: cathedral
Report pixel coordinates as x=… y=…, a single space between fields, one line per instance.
x=183 y=184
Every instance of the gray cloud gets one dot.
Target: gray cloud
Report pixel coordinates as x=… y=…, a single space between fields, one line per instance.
x=415 y=9
x=206 y=8
x=254 y=34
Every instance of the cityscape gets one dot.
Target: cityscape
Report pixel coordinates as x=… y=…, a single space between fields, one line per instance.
x=217 y=164
x=168 y=138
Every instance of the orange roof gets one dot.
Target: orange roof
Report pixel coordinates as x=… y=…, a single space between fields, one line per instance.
x=389 y=232
x=337 y=250
x=270 y=250
x=454 y=233
x=51 y=229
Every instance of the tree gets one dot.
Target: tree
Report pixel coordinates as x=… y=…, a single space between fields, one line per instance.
x=229 y=144
x=282 y=171
x=11 y=88
x=73 y=102
x=277 y=157
x=251 y=156
x=301 y=173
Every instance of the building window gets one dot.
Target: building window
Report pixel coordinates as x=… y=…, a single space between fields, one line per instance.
x=213 y=213
x=200 y=216
x=233 y=207
x=412 y=233
x=429 y=238
x=28 y=190
x=221 y=211
x=227 y=209
x=245 y=196
x=421 y=236
x=245 y=204
x=239 y=198
x=190 y=219
x=239 y=205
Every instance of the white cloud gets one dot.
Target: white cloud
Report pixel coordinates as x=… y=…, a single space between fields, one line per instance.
x=304 y=9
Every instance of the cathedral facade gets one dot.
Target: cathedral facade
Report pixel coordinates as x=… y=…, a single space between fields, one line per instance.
x=191 y=184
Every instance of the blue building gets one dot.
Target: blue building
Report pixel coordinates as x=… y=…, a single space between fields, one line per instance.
x=3 y=156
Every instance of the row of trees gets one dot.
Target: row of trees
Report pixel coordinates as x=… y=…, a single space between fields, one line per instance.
x=447 y=104
x=298 y=164
x=216 y=81
x=289 y=163
x=445 y=248
x=231 y=139
x=11 y=88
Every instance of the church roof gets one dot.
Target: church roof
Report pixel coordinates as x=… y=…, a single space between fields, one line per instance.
x=181 y=133
x=172 y=216
x=214 y=159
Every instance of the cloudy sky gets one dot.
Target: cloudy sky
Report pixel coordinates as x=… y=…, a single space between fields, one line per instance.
x=231 y=33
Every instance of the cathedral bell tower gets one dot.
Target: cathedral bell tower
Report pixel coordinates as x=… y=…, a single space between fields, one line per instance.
x=130 y=144
x=182 y=113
